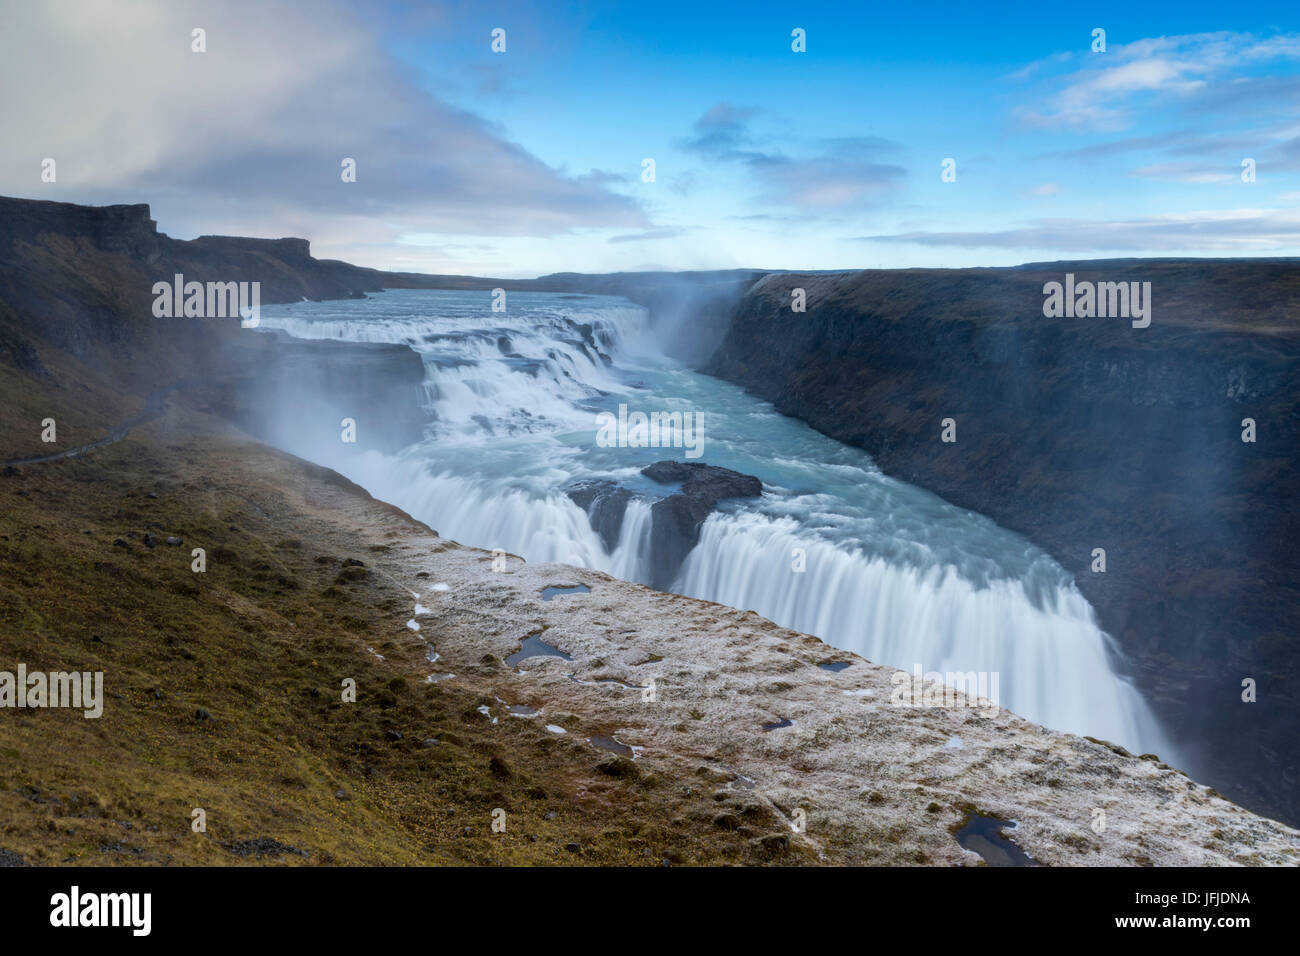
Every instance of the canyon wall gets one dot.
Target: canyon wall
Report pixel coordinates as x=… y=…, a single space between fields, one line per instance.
x=76 y=282
x=1085 y=433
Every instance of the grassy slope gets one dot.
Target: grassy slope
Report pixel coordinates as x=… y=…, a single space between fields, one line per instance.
x=262 y=641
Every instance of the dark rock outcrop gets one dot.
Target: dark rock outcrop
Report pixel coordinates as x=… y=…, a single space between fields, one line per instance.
x=605 y=503
x=78 y=281
x=677 y=518
x=10 y=858
x=82 y=277
x=1085 y=433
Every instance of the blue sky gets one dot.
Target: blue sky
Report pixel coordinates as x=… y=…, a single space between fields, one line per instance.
x=530 y=161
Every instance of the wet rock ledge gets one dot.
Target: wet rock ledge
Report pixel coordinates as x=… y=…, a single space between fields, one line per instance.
x=676 y=518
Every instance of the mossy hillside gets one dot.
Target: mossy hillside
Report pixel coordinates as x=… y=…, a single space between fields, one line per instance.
x=223 y=689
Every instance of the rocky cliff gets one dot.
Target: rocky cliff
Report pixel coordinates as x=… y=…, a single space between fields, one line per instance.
x=1086 y=433
x=77 y=282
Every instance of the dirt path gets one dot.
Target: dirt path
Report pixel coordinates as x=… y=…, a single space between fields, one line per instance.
x=153 y=407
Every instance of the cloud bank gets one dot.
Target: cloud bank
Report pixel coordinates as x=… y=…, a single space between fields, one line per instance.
x=250 y=135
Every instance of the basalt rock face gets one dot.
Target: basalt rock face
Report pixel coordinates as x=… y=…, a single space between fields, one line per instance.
x=126 y=229
x=78 y=281
x=677 y=518
x=68 y=273
x=1085 y=433
x=135 y=255
x=285 y=267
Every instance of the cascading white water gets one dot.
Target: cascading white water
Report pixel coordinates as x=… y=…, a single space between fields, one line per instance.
x=537 y=527
x=892 y=572
x=631 y=558
x=493 y=373
x=1052 y=663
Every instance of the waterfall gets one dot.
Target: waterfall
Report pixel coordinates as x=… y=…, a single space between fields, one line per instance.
x=1052 y=661
x=890 y=572
x=631 y=558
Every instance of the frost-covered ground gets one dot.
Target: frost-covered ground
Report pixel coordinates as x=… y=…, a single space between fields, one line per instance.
x=865 y=779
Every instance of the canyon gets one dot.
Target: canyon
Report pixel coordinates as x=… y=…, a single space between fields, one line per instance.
x=1084 y=434
x=1071 y=438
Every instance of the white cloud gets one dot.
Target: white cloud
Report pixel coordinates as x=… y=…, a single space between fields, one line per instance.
x=1236 y=231
x=1108 y=90
x=1192 y=173
x=837 y=177
x=249 y=136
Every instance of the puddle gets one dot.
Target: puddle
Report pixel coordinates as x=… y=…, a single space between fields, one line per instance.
x=860 y=692
x=435 y=678
x=534 y=646
x=518 y=710
x=432 y=656
x=604 y=680
x=784 y=722
x=556 y=730
x=955 y=743
x=421 y=609
x=486 y=711
x=835 y=666
x=413 y=624
x=613 y=746
x=983 y=835
x=557 y=589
